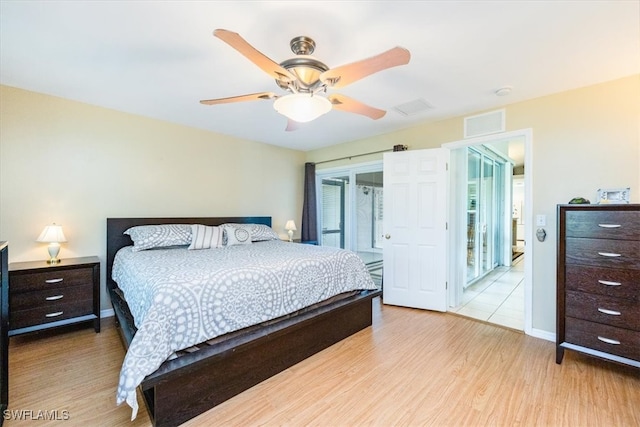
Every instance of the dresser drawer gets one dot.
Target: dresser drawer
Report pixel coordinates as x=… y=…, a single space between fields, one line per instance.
x=603 y=252
x=604 y=281
x=618 y=341
x=59 y=278
x=603 y=224
x=620 y=312
x=51 y=297
x=42 y=315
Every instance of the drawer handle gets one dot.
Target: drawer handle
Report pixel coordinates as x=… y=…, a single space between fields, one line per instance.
x=610 y=312
x=609 y=254
x=609 y=225
x=608 y=283
x=609 y=340
x=54 y=297
x=56 y=314
x=54 y=280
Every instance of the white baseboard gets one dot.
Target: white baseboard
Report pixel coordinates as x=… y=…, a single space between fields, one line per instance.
x=107 y=313
x=545 y=335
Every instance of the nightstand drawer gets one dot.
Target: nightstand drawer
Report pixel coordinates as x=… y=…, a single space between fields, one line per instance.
x=609 y=339
x=58 y=278
x=42 y=315
x=50 y=297
x=604 y=224
x=604 y=281
x=603 y=252
x=603 y=309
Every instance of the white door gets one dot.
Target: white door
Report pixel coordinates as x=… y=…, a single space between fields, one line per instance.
x=415 y=215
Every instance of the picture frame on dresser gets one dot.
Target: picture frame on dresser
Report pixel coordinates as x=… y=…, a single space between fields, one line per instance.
x=614 y=196
x=598 y=282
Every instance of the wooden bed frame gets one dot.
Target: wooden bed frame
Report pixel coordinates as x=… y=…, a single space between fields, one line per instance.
x=193 y=383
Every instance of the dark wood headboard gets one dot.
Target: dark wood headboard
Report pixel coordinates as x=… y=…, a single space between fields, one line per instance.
x=116 y=227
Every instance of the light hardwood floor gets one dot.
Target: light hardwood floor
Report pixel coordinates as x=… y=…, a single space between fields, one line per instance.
x=412 y=368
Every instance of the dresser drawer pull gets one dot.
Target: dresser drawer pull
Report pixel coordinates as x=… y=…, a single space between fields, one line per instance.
x=609 y=225
x=54 y=280
x=608 y=283
x=609 y=340
x=609 y=254
x=56 y=314
x=610 y=312
x=54 y=297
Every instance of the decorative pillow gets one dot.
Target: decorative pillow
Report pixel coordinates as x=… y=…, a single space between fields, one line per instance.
x=159 y=236
x=205 y=237
x=236 y=235
x=258 y=232
x=261 y=232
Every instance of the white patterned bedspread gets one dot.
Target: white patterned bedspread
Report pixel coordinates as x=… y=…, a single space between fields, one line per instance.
x=180 y=298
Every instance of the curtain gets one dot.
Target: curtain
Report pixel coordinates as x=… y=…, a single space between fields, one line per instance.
x=309 y=210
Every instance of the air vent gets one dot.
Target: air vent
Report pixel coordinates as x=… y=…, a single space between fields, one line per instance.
x=484 y=124
x=413 y=107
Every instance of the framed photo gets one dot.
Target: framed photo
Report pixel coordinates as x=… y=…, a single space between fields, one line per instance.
x=613 y=196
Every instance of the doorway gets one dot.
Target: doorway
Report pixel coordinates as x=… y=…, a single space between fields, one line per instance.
x=351 y=213
x=491 y=277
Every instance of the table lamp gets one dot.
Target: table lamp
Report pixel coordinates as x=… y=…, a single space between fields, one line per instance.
x=290 y=226
x=53 y=235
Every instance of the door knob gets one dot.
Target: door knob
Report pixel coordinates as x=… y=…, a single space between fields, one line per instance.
x=387 y=236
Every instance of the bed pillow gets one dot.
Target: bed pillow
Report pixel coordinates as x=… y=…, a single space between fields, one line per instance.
x=236 y=235
x=258 y=232
x=205 y=237
x=261 y=232
x=159 y=236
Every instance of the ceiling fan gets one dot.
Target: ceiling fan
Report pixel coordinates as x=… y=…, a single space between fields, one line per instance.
x=306 y=79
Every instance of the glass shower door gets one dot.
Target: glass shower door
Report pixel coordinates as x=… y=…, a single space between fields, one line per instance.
x=474 y=165
x=482 y=215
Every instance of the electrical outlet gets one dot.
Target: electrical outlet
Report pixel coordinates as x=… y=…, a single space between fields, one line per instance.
x=541 y=220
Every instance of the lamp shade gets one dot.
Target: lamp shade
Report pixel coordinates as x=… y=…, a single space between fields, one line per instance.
x=52 y=234
x=302 y=107
x=290 y=225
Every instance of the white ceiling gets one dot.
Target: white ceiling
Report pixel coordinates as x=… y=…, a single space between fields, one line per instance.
x=159 y=58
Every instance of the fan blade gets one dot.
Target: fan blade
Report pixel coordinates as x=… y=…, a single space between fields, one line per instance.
x=292 y=125
x=252 y=54
x=343 y=103
x=250 y=97
x=346 y=74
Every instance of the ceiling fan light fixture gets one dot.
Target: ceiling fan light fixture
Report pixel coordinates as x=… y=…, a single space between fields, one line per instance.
x=302 y=107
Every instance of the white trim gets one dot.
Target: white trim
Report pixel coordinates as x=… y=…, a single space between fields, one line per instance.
x=527 y=135
x=544 y=335
x=107 y=313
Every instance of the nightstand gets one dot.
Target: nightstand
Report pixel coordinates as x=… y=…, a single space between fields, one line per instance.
x=44 y=296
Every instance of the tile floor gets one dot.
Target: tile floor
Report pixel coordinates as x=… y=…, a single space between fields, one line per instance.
x=498 y=298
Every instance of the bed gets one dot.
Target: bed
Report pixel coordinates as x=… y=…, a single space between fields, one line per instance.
x=205 y=375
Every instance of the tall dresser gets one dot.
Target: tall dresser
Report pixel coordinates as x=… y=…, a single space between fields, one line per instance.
x=4 y=328
x=598 y=282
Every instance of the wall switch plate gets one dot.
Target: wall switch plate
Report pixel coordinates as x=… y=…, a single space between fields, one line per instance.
x=541 y=220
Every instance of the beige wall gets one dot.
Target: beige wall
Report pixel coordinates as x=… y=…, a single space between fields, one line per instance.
x=75 y=164
x=583 y=140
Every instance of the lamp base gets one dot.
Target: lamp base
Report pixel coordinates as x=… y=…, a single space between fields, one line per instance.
x=54 y=250
x=290 y=233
